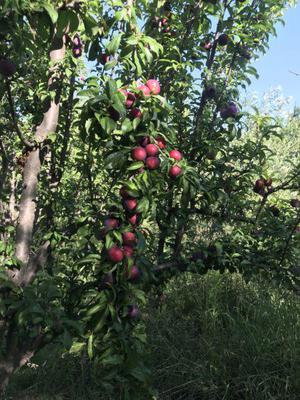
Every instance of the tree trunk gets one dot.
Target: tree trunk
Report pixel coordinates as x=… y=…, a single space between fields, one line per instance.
x=6 y=371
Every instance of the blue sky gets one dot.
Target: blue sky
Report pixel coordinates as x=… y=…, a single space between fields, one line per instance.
x=283 y=56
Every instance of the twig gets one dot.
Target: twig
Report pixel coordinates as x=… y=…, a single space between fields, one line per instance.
x=24 y=141
x=289 y=239
x=294 y=73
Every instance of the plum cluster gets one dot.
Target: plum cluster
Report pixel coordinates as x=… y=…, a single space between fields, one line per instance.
x=163 y=23
x=152 y=87
x=77 y=46
x=149 y=151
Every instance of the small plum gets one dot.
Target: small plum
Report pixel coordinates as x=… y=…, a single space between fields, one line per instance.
x=7 y=68
x=104 y=58
x=133 y=311
x=133 y=219
x=77 y=52
x=129 y=238
x=139 y=153
x=223 y=39
x=145 y=90
x=151 y=150
x=295 y=203
x=224 y=113
x=260 y=183
x=111 y=223
x=152 y=162
x=124 y=193
x=130 y=99
x=268 y=182
x=176 y=155
x=154 y=86
x=144 y=141
x=115 y=254
x=128 y=251
x=130 y=204
x=207 y=45
x=114 y=114
x=209 y=92
x=133 y=273
x=232 y=109
x=77 y=41
x=175 y=171
x=135 y=113
x=229 y=111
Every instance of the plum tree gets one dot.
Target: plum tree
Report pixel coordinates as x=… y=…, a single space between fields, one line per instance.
x=88 y=160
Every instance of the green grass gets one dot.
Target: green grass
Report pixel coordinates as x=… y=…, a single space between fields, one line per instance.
x=215 y=337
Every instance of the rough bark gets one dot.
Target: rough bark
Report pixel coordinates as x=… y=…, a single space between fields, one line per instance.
x=32 y=167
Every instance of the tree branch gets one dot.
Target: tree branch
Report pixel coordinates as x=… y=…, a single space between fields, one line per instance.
x=22 y=138
x=28 y=271
x=5 y=163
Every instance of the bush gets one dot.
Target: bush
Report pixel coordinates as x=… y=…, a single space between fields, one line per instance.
x=217 y=337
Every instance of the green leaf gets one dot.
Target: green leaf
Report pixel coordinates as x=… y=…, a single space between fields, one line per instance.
x=143 y=205
x=112 y=88
x=113 y=360
x=53 y=14
x=114 y=44
x=95 y=309
x=67 y=19
x=135 y=165
x=137 y=64
x=67 y=340
x=91 y=25
x=90 y=346
x=116 y=160
x=107 y=124
x=135 y=123
x=126 y=125
x=77 y=347
x=111 y=64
